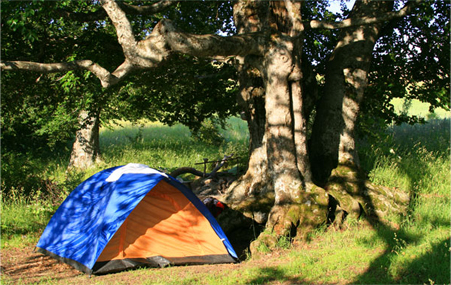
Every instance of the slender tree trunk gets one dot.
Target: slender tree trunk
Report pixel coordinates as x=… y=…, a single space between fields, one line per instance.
x=333 y=152
x=333 y=138
x=86 y=148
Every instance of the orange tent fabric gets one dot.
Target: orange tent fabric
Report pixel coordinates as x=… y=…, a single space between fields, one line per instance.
x=165 y=223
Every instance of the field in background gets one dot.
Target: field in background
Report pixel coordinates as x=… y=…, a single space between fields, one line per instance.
x=420 y=109
x=167 y=148
x=413 y=249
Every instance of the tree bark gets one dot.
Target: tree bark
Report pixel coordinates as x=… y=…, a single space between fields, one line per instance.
x=276 y=189
x=333 y=138
x=86 y=148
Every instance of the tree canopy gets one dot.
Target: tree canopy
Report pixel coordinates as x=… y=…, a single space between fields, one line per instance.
x=62 y=31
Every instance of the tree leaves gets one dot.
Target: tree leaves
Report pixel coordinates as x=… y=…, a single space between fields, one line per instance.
x=411 y=60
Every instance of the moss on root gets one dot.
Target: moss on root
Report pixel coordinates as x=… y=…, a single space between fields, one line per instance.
x=348 y=195
x=357 y=196
x=294 y=220
x=256 y=208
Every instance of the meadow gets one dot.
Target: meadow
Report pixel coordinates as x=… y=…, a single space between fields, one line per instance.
x=413 y=249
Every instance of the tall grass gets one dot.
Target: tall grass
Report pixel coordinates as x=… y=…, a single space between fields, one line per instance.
x=415 y=248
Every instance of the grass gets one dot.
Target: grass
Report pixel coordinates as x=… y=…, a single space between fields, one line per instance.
x=159 y=146
x=420 y=109
x=415 y=250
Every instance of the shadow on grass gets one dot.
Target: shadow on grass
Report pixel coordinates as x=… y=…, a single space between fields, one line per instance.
x=394 y=266
x=266 y=275
x=423 y=269
x=433 y=265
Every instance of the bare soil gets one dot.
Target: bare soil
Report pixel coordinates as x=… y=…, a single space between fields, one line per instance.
x=24 y=266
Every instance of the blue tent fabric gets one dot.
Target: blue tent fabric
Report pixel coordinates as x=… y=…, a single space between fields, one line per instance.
x=90 y=216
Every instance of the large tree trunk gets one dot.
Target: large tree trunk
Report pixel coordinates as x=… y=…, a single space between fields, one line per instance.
x=333 y=152
x=86 y=148
x=278 y=187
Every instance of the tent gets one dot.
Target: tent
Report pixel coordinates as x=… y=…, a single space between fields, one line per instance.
x=133 y=215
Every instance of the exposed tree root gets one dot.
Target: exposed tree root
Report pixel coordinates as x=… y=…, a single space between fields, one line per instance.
x=353 y=195
x=253 y=216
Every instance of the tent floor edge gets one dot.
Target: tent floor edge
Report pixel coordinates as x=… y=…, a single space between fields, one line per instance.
x=204 y=259
x=75 y=264
x=117 y=265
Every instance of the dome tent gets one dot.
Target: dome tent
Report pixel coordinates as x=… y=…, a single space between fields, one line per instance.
x=133 y=215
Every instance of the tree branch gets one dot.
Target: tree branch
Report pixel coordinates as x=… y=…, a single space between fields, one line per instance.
x=164 y=40
x=294 y=14
x=124 y=31
x=184 y=170
x=406 y=10
x=147 y=9
x=107 y=79
x=150 y=52
x=206 y=45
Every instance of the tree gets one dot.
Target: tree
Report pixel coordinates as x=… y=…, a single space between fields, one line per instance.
x=411 y=60
x=295 y=180
x=76 y=94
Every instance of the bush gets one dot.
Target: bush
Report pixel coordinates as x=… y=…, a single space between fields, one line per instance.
x=209 y=133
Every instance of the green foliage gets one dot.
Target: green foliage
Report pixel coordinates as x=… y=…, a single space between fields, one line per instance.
x=41 y=111
x=209 y=133
x=209 y=16
x=31 y=115
x=411 y=60
x=186 y=90
x=319 y=44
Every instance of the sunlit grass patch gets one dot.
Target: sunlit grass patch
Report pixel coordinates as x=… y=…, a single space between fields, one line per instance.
x=22 y=220
x=164 y=147
x=415 y=107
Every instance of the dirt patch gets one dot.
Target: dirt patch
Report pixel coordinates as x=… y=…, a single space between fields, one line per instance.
x=24 y=266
